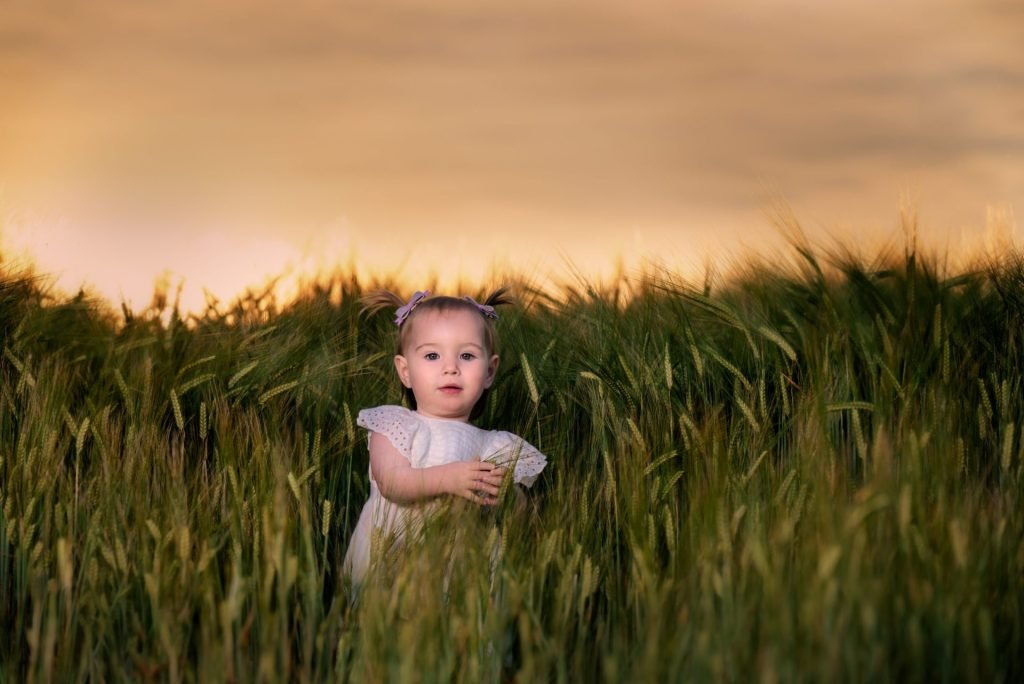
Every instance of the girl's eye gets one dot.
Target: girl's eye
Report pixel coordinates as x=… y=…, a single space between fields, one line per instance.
x=468 y=356
x=432 y=356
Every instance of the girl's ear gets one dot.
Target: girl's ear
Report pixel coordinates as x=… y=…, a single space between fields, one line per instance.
x=492 y=370
x=402 y=366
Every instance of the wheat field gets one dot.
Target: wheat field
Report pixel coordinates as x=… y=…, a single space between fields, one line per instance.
x=809 y=471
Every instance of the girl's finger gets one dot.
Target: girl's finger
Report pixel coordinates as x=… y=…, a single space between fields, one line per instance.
x=489 y=474
x=483 y=501
x=485 y=485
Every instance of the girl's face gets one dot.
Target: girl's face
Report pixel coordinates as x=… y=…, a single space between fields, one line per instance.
x=445 y=363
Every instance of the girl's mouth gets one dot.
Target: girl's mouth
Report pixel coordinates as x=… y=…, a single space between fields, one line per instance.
x=451 y=389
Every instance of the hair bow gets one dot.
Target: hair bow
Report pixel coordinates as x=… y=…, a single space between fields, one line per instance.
x=404 y=311
x=486 y=309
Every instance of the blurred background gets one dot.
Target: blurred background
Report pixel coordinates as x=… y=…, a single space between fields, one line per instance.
x=216 y=144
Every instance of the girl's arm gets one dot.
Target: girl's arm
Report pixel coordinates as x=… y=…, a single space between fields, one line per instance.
x=398 y=481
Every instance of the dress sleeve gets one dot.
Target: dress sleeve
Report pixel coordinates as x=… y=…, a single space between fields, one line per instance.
x=394 y=422
x=513 y=451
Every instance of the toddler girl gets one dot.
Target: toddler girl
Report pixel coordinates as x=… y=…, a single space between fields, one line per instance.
x=446 y=359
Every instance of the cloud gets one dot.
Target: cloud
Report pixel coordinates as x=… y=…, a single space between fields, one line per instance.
x=529 y=117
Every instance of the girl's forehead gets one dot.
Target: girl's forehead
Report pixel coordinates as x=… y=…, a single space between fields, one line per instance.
x=447 y=324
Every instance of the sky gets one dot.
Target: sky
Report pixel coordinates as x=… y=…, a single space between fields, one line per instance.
x=218 y=143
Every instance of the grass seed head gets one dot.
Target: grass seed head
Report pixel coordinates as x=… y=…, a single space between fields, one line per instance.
x=83 y=433
x=179 y=418
x=203 y=420
x=293 y=484
x=325 y=515
x=531 y=384
x=65 y=568
x=668 y=368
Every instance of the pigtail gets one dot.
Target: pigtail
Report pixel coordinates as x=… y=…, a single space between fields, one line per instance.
x=379 y=299
x=499 y=297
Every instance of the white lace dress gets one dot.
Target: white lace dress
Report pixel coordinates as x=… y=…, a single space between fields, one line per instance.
x=428 y=442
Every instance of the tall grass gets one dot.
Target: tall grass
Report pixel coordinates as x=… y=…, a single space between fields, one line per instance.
x=810 y=472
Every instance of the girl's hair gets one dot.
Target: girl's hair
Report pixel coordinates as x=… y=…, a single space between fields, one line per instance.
x=384 y=299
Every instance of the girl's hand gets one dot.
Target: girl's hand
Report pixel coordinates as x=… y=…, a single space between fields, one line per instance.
x=476 y=480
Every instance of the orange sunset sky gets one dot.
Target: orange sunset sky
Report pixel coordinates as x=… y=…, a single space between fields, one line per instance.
x=220 y=142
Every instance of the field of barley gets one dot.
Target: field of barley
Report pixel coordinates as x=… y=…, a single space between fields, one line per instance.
x=808 y=471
